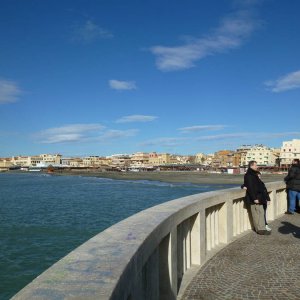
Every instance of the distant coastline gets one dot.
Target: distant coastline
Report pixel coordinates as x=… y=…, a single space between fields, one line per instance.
x=171 y=176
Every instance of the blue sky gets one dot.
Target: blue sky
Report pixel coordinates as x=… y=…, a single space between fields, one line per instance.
x=102 y=77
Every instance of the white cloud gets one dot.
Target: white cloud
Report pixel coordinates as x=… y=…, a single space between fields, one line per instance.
x=136 y=118
x=63 y=138
x=9 y=91
x=112 y=134
x=201 y=128
x=255 y=136
x=90 y=32
x=82 y=133
x=164 y=142
x=281 y=134
x=68 y=133
x=287 y=82
x=74 y=128
x=223 y=136
x=230 y=34
x=122 y=85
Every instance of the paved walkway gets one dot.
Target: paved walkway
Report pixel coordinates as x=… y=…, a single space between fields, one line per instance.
x=254 y=267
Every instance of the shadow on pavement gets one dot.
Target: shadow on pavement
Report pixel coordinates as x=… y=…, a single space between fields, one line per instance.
x=288 y=228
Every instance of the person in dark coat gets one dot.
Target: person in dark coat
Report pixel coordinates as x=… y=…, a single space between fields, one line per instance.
x=292 y=181
x=256 y=196
x=265 y=206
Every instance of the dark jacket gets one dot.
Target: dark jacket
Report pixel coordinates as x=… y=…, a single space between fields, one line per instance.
x=256 y=189
x=292 y=179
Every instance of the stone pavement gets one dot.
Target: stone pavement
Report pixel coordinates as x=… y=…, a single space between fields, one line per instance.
x=253 y=267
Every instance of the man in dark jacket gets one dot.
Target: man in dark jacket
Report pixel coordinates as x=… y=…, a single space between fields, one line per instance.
x=265 y=205
x=256 y=197
x=292 y=181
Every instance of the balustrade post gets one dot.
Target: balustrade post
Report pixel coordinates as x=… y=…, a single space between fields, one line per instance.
x=195 y=240
x=241 y=212
x=212 y=227
x=234 y=214
x=146 y=286
x=226 y=222
x=271 y=210
x=281 y=196
x=246 y=217
x=180 y=242
x=237 y=217
x=168 y=267
x=187 y=233
x=202 y=219
x=208 y=230
x=217 y=228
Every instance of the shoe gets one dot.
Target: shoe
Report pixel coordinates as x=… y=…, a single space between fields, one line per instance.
x=289 y=213
x=263 y=232
x=268 y=228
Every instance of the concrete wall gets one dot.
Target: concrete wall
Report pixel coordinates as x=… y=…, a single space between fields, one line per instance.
x=147 y=255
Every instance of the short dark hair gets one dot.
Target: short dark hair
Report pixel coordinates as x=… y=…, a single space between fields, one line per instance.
x=296 y=161
x=251 y=163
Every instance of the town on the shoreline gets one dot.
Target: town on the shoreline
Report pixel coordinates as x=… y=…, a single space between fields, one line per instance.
x=230 y=161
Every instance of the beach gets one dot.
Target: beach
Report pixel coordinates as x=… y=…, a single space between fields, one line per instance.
x=165 y=176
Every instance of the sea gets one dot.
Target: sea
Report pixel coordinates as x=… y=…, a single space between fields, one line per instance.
x=43 y=217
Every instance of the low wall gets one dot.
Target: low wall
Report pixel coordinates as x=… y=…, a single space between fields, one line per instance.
x=145 y=256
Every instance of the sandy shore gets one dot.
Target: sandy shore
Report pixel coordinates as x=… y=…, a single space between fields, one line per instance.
x=192 y=177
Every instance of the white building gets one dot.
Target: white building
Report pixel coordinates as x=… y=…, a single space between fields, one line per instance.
x=76 y=162
x=289 y=151
x=139 y=160
x=208 y=159
x=51 y=159
x=200 y=158
x=35 y=160
x=242 y=150
x=95 y=161
x=5 y=163
x=120 y=160
x=23 y=161
x=263 y=155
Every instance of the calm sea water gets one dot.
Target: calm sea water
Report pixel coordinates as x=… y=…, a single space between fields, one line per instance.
x=44 y=217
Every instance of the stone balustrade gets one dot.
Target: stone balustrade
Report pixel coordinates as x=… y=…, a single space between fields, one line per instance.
x=146 y=256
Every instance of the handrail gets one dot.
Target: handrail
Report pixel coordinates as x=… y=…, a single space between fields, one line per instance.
x=146 y=255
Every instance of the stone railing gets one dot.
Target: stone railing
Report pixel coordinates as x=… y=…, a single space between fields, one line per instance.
x=146 y=255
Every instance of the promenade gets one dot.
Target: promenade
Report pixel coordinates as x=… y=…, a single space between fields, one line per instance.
x=253 y=267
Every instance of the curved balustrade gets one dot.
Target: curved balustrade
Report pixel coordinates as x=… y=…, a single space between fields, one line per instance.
x=146 y=255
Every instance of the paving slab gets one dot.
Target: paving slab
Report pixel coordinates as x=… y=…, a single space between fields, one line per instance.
x=253 y=267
